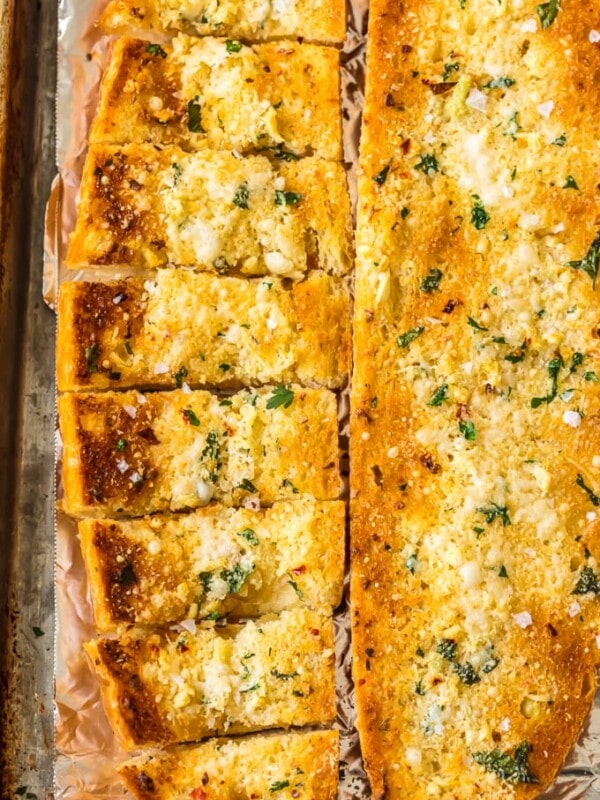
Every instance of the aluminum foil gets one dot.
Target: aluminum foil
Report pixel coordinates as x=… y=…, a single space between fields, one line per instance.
x=87 y=750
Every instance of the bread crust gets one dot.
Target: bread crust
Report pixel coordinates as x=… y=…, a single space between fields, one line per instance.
x=280 y=97
x=471 y=531
x=143 y=206
x=251 y=767
x=309 y=20
x=162 y=570
x=269 y=673
x=265 y=333
x=135 y=454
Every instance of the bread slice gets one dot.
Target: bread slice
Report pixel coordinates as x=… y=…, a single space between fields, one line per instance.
x=180 y=686
x=279 y=97
x=307 y=19
x=147 y=207
x=134 y=454
x=181 y=327
x=475 y=535
x=303 y=766
x=215 y=561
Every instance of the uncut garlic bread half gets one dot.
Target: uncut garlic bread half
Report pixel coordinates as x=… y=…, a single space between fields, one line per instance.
x=300 y=765
x=181 y=327
x=215 y=562
x=279 y=97
x=311 y=20
x=135 y=454
x=146 y=207
x=186 y=684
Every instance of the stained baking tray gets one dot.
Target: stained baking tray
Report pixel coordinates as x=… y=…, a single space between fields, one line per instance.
x=27 y=86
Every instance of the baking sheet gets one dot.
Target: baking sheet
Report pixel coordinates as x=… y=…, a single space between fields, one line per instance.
x=87 y=750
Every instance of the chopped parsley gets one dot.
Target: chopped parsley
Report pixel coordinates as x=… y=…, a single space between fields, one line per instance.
x=405 y=212
x=517 y=355
x=468 y=430
x=281 y=396
x=248 y=486
x=250 y=536
x=560 y=141
x=590 y=262
x=287 y=484
x=466 y=673
x=474 y=324
x=381 y=176
x=449 y=69
x=554 y=367
x=180 y=375
x=233 y=46
x=121 y=445
x=479 y=215
x=513 y=126
x=211 y=456
x=194 y=116
x=411 y=563
x=252 y=688
x=502 y=82
x=190 y=417
x=588 y=583
x=283 y=676
x=287 y=198
x=92 y=354
x=236 y=577
x=570 y=183
x=490 y=665
x=510 y=768
x=502 y=573
x=155 y=50
x=221 y=265
x=419 y=688
x=590 y=376
x=240 y=198
x=494 y=511
x=439 y=395
x=405 y=339
x=547 y=12
x=37 y=632
x=431 y=281
x=427 y=163
x=594 y=498
x=278 y=786
x=447 y=649
x=296 y=588
x=576 y=361
x=224 y=367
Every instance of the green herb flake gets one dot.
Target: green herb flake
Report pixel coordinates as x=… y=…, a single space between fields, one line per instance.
x=121 y=445
x=547 y=12
x=419 y=688
x=91 y=355
x=281 y=396
x=474 y=324
x=513 y=768
x=594 y=498
x=570 y=183
x=233 y=46
x=381 y=176
x=194 y=116
x=439 y=395
x=513 y=127
x=250 y=536
x=155 y=50
x=576 y=361
x=590 y=376
x=502 y=82
x=296 y=588
x=490 y=665
x=447 y=649
x=287 y=484
x=283 y=676
x=427 y=164
x=287 y=198
x=240 y=198
x=252 y=688
x=248 y=486
x=278 y=786
x=180 y=375
x=411 y=563
x=502 y=573
x=560 y=141
x=588 y=583
x=236 y=577
x=468 y=430
x=517 y=355
x=590 y=262
x=432 y=280
x=37 y=632
x=466 y=673
x=405 y=212
x=479 y=215
x=449 y=69
x=190 y=417
x=405 y=339
x=494 y=511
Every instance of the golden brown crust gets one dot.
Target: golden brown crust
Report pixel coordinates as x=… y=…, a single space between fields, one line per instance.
x=274 y=672
x=306 y=19
x=113 y=335
x=281 y=98
x=136 y=454
x=167 y=569
x=303 y=766
x=145 y=206
x=475 y=399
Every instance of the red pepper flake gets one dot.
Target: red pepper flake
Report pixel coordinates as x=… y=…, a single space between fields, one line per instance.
x=314 y=631
x=299 y=570
x=198 y=794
